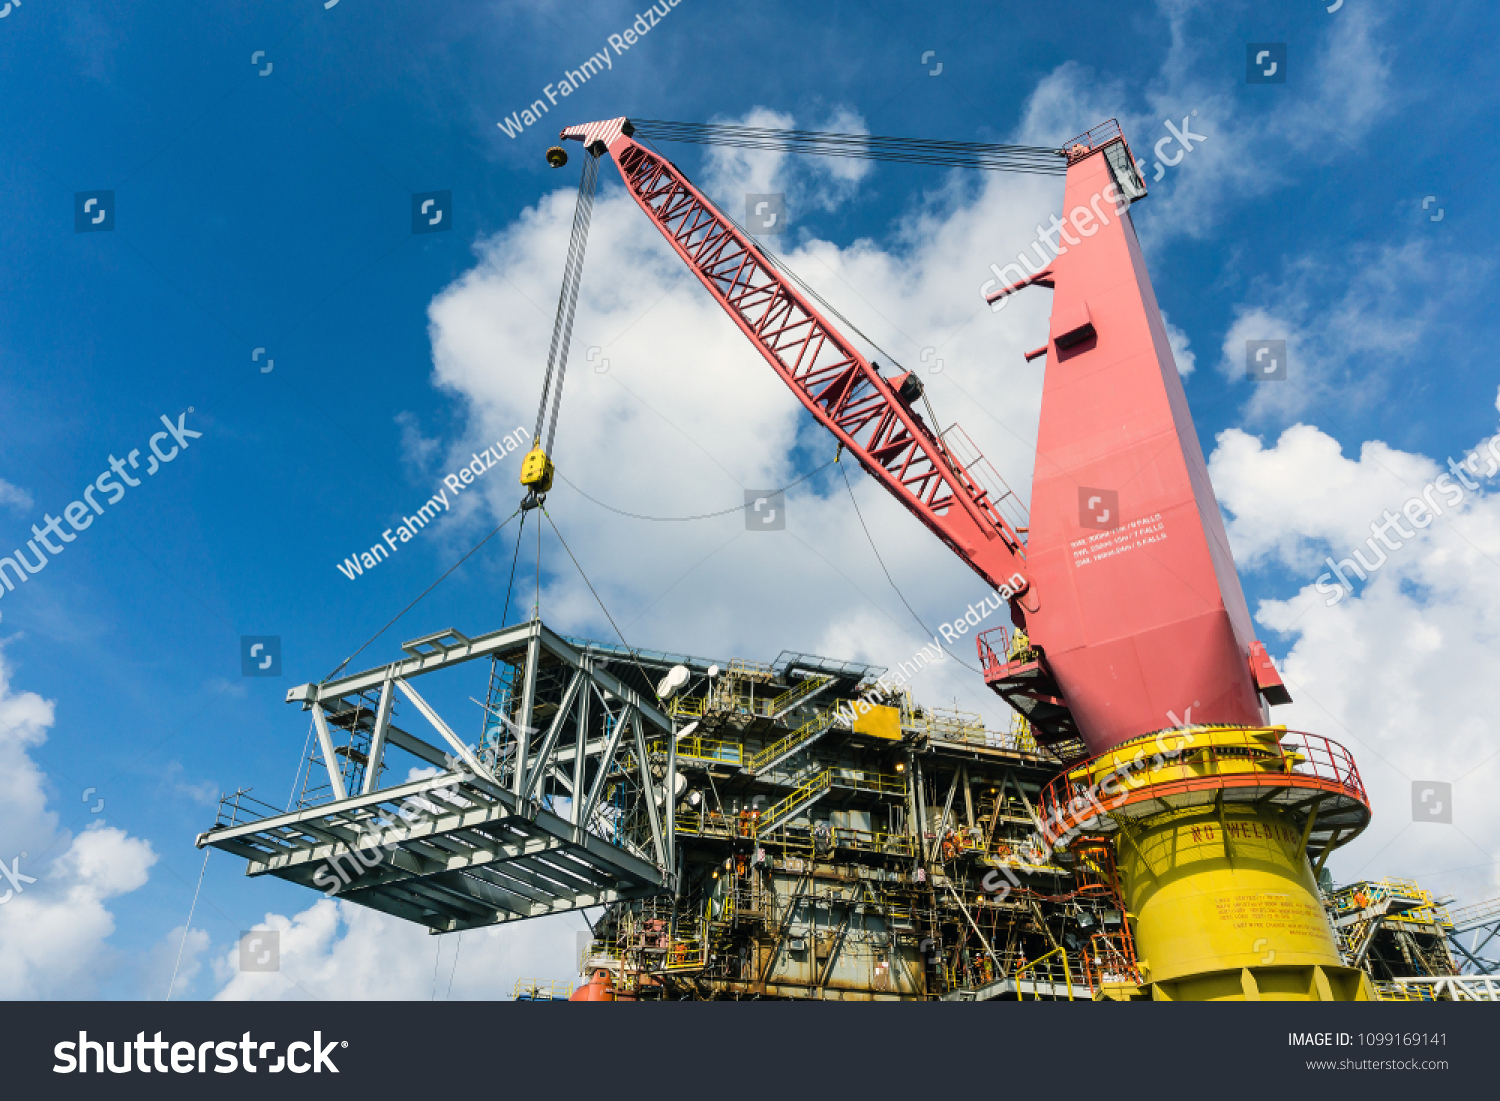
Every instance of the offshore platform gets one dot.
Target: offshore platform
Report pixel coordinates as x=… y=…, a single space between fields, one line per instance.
x=806 y=828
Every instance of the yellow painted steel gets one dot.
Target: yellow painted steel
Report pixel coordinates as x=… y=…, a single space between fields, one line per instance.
x=1223 y=900
x=878 y=722
x=537 y=471
x=1226 y=909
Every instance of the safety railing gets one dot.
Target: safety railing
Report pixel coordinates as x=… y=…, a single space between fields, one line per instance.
x=543 y=990
x=705 y=749
x=1048 y=968
x=1197 y=759
x=990 y=660
x=801 y=691
x=994 y=656
x=688 y=707
x=750 y=670
x=1087 y=142
x=804 y=793
x=1404 y=901
x=1476 y=912
x=707 y=823
x=867 y=781
x=798 y=840
x=814 y=727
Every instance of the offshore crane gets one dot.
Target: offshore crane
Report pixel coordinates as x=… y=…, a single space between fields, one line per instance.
x=1133 y=633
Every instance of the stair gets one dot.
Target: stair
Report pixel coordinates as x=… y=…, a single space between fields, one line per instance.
x=798 y=801
x=795 y=742
x=803 y=692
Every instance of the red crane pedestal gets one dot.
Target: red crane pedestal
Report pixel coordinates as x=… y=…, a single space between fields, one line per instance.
x=1135 y=604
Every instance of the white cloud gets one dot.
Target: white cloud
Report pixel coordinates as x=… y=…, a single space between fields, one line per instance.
x=1343 y=91
x=54 y=931
x=14 y=497
x=676 y=414
x=1402 y=671
x=1352 y=324
x=809 y=182
x=1182 y=350
x=340 y=951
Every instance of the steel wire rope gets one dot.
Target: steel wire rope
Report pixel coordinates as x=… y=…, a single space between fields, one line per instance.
x=957 y=154
x=188 y=925
x=650 y=684
x=472 y=550
x=892 y=580
x=567 y=302
x=701 y=516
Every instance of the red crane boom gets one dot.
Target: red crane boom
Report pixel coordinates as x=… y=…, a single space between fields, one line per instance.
x=870 y=415
x=1126 y=585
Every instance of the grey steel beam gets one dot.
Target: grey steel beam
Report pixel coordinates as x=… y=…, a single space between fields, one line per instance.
x=535 y=772
x=580 y=748
x=648 y=793
x=605 y=758
x=509 y=639
x=325 y=743
x=522 y=728
x=377 y=738
x=460 y=750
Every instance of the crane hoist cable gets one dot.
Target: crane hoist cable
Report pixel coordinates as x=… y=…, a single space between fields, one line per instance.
x=1039 y=159
x=537 y=469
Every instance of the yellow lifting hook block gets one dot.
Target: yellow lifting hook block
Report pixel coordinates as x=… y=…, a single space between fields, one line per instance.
x=536 y=471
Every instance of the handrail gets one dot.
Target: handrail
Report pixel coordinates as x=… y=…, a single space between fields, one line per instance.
x=806 y=687
x=1198 y=759
x=1067 y=975
x=818 y=724
x=815 y=785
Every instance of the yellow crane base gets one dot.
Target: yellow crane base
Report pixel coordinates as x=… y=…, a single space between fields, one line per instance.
x=1226 y=909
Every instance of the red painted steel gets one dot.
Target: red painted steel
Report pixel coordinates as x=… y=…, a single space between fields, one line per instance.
x=838 y=385
x=1308 y=762
x=1143 y=618
x=1137 y=608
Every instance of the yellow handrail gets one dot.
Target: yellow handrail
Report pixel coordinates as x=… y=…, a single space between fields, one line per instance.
x=1067 y=975
x=808 y=686
x=821 y=782
x=819 y=722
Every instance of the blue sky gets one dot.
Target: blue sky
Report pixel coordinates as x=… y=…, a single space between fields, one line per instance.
x=274 y=212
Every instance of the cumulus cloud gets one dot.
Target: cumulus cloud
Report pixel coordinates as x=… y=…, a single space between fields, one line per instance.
x=1182 y=350
x=14 y=497
x=676 y=414
x=809 y=183
x=668 y=411
x=339 y=951
x=1345 y=91
x=1401 y=670
x=54 y=921
x=1352 y=324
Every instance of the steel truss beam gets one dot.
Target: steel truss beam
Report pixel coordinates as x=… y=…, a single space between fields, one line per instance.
x=467 y=847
